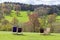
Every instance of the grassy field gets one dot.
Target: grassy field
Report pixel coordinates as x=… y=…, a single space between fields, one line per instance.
x=23 y=17
x=28 y=36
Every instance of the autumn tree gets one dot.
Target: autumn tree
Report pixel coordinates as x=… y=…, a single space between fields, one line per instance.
x=34 y=20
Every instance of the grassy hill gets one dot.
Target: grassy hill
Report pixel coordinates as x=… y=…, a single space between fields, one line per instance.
x=23 y=17
x=58 y=19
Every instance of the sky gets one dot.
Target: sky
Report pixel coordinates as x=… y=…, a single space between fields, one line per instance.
x=35 y=2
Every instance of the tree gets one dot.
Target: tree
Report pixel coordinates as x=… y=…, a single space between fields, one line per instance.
x=42 y=13
x=34 y=20
x=6 y=9
x=51 y=19
x=15 y=21
x=4 y=22
x=5 y=25
x=17 y=8
x=17 y=13
x=1 y=16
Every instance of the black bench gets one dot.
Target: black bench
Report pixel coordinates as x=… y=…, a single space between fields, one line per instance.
x=14 y=29
x=41 y=30
x=19 y=29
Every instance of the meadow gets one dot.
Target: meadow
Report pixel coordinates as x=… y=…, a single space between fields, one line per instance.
x=23 y=17
x=20 y=19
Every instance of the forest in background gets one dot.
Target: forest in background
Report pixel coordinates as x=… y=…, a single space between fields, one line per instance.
x=19 y=14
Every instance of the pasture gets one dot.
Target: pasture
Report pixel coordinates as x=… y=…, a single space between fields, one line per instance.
x=23 y=17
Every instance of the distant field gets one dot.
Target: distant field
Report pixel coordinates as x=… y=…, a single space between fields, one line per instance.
x=58 y=19
x=28 y=36
x=23 y=17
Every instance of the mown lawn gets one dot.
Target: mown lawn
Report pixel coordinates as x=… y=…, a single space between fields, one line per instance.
x=28 y=36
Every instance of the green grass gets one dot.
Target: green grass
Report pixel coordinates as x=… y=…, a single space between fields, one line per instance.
x=23 y=17
x=28 y=36
x=58 y=19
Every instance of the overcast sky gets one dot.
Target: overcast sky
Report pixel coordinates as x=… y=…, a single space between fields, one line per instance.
x=35 y=2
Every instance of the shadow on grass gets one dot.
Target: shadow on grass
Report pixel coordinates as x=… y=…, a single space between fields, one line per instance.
x=47 y=35
x=19 y=34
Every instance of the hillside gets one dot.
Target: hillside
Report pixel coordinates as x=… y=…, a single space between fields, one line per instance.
x=22 y=17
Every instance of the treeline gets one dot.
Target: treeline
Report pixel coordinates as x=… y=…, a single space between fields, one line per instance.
x=25 y=7
x=38 y=18
x=7 y=7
